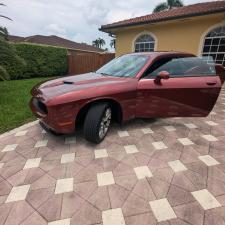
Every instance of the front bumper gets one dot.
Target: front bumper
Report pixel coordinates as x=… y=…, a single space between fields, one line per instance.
x=53 y=120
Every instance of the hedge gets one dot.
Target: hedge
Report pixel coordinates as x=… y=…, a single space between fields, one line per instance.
x=40 y=61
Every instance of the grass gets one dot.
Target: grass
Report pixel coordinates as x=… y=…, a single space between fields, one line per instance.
x=14 y=100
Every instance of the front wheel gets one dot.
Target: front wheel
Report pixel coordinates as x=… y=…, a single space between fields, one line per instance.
x=97 y=122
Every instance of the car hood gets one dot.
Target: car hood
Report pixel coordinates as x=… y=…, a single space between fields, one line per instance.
x=79 y=83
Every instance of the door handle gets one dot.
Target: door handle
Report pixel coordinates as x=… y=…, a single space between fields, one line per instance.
x=211 y=83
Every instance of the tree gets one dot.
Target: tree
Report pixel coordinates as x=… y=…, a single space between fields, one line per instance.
x=95 y=43
x=101 y=42
x=6 y=51
x=113 y=43
x=4 y=33
x=169 y=4
x=1 y=4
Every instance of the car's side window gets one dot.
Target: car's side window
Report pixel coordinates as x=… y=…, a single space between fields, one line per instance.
x=181 y=67
x=158 y=65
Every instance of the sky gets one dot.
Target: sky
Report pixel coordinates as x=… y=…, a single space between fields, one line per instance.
x=77 y=20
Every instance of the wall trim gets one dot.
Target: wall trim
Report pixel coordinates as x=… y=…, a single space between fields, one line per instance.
x=142 y=33
x=202 y=39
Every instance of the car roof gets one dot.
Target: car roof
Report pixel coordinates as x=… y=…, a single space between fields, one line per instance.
x=163 y=53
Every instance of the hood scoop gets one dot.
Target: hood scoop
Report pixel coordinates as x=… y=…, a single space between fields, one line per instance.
x=68 y=82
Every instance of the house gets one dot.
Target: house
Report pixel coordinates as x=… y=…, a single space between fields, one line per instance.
x=52 y=40
x=197 y=29
x=82 y=58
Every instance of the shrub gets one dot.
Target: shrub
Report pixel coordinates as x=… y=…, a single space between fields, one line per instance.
x=7 y=52
x=40 y=61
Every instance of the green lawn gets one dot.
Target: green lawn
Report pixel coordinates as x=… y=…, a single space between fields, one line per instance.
x=14 y=99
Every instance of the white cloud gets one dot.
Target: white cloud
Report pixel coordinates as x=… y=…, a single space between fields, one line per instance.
x=77 y=20
x=55 y=29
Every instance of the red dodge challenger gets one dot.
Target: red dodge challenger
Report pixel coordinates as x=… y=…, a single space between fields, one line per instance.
x=143 y=85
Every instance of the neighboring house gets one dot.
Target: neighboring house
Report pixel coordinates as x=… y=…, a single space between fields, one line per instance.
x=198 y=29
x=73 y=47
x=82 y=58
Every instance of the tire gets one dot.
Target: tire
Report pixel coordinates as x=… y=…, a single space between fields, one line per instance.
x=94 y=120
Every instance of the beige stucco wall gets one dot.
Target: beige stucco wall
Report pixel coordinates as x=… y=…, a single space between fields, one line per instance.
x=182 y=35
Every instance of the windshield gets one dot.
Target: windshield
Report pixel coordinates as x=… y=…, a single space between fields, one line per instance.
x=124 y=66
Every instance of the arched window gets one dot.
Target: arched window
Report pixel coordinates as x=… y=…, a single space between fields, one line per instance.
x=144 y=43
x=214 y=45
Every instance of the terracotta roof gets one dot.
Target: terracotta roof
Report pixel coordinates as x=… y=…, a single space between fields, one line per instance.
x=55 y=41
x=173 y=14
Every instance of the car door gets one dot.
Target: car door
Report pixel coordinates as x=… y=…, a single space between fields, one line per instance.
x=191 y=90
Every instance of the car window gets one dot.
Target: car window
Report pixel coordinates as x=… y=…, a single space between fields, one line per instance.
x=182 y=67
x=124 y=66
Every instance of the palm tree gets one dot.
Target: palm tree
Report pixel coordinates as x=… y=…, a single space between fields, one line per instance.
x=101 y=42
x=95 y=43
x=7 y=52
x=169 y=4
x=1 y=4
x=4 y=33
x=113 y=43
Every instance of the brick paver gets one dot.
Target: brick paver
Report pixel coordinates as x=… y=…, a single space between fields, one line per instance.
x=169 y=171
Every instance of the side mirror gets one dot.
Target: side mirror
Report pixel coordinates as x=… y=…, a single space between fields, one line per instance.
x=162 y=75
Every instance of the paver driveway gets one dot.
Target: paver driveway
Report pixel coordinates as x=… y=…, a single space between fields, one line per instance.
x=166 y=171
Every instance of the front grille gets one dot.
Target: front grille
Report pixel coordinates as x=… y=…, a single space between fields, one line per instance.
x=40 y=106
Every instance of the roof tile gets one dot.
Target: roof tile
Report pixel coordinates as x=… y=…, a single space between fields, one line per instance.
x=182 y=12
x=55 y=41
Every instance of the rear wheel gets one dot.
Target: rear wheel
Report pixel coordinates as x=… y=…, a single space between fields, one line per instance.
x=97 y=122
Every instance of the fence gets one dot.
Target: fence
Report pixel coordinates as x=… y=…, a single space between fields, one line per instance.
x=84 y=63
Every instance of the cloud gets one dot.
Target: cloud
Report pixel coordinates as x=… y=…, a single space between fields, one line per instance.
x=96 y=12
x=77 y=20
x=55 y=29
